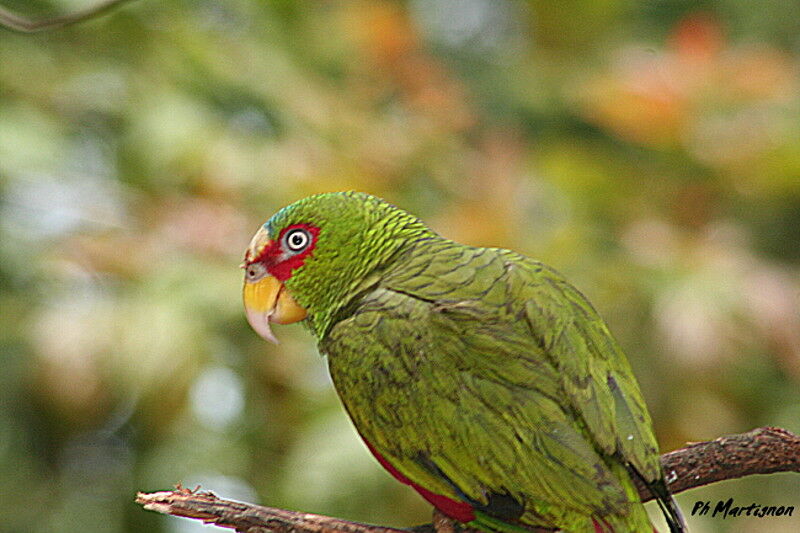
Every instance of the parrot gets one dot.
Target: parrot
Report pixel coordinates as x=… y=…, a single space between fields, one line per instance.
x=478 y=376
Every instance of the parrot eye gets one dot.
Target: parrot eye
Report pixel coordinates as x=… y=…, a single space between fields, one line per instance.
x=297 y=239
x=254 y=272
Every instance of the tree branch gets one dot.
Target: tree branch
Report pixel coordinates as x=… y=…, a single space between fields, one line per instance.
x=15 y=22
x=761 y=451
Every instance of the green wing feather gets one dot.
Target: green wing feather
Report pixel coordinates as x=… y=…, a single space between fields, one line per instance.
x=480 y=372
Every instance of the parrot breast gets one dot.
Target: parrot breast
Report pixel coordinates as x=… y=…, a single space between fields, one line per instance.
x=456 y=510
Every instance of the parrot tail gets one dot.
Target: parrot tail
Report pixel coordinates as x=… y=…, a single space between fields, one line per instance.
x=672 y=513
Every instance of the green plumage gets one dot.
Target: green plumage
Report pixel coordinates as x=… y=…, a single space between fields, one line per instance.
x=478 y=373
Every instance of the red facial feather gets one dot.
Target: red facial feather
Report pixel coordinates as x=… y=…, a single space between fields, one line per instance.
x=278 y=261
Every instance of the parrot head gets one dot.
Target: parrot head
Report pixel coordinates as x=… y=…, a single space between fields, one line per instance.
x=314 y=255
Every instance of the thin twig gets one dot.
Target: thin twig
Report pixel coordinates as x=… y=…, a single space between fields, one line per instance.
x=761 y=451
x=22 y=24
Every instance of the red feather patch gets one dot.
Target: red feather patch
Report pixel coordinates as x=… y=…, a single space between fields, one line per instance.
x=280 y=262
x=456 y=510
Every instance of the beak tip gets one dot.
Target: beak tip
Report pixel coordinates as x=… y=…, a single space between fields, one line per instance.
x=260 y=323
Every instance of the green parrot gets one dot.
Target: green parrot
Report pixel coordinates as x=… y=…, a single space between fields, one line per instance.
x=478 y=376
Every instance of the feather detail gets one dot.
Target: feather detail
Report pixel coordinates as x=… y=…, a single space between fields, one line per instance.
x=456 y=510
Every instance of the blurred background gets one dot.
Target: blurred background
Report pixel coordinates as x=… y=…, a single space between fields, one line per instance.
x=648 y=150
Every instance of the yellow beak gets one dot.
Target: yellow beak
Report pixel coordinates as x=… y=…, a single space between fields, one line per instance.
x=267 y=300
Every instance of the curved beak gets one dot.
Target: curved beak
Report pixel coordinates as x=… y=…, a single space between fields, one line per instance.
x=266 y=301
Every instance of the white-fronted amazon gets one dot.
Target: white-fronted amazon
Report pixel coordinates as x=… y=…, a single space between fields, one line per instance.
x=478 y=376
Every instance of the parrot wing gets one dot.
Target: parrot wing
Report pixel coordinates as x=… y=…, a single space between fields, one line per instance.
x=594 y=372
x=600 y=383
x=483 y=376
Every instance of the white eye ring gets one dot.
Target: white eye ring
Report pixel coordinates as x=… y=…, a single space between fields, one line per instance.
x=297 y=240
x=254 y=272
